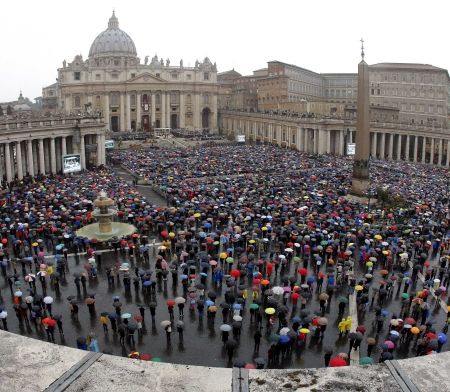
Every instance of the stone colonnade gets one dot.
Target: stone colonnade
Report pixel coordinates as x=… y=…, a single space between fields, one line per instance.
x=319 y=138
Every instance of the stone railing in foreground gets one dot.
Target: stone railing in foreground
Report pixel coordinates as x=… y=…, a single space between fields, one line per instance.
x=32 y=365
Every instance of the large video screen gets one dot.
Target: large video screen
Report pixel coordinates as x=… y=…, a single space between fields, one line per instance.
x=71 y=163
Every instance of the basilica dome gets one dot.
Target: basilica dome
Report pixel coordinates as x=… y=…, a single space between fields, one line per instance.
x=113 y=42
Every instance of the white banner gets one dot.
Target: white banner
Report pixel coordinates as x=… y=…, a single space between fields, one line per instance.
x=240 y=138
x=351 y=148
x=71 y=163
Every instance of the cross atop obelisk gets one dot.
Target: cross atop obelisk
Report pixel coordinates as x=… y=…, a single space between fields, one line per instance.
x=360 y=181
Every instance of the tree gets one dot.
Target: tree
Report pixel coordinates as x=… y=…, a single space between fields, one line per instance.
x=9 y=110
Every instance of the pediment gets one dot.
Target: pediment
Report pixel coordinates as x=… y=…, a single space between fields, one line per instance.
x=145 y=77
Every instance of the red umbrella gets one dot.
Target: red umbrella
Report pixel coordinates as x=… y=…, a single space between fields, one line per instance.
x=235 y=273
x=337 y=362
x=361 y=328
x=295 y=296
x=49 y=322
x=249 y=366
x=256 y=281
x=145 y=357
x=409 y=320
x=164 y=233
x=303 y=271
x=138 y=317
x=170 y=302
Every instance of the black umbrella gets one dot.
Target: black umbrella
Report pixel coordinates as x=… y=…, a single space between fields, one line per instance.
x=304 y=312
x=152 y=305
x=282 y=309
x=117 y=304
x=200 y=286
x=132 y=326
x=212 y=295
x=76 y=275
x=24 y=306
x=231 y=344
x=200 y=302
x=433 y=344
x=224 y=305
x=104 y=314
x=259 y=361
x=240 y=300
x=292 y=279
x=237 y=324
x=57 y=317
x=352 y=335
x=239 y=364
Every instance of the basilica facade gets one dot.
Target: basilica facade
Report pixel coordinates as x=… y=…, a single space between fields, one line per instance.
x=130 y=95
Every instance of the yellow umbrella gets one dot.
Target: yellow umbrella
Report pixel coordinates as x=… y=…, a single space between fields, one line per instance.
x=171 y=234
x=385 y=252
x=358 y=287
x=378 y=237
x=264 y=228
x=369 y=264
x=223 y=255
x=304 y=330
x=197 y=215
x=270 y=311
x=251 y=241
x=415 y=330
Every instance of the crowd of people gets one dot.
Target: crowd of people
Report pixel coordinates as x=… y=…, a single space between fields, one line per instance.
x=264 y=236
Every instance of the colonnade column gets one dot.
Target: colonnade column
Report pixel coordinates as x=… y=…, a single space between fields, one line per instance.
x=8 y=162
x=30 y=157
x=328 y=139
x=163 y=109
x=63 y=146
x=407 y=148
x=448 y=154
x=182 y=113
x=316 y=141
x=19 y=161
x=41 y=156
x=399 y=146
x=391 y=146
x=128 y=109
x=383 y=146
x=432 y=151
x=424 y=145
x=416 y=148
x=52 y=155
x=440 y=152
x=374 y=145
x=138 y=110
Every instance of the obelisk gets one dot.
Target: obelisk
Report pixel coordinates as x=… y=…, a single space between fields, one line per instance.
x=360 y=181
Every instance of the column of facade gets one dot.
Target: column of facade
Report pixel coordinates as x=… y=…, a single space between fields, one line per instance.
x=122 y=112
x=399 y=146
x=8 y=163
x=168 y=113
x=328 y=141
x=58 y=155
x=373 y=146
x=197 y=119
x=52 y=155
x=383 y=146
x=35 y=153
x=432 y=151
x=2 y=162
x=106 y=114
x=341 y=142
x=128 y=110
x=213 y=124
x=99 y=150
x=30 y=157
x=424 y=146
x=182 y=122
x=19 y=161
x=153 y=111
x=316 y=141
x=163 y=109
x=82 y=153
x=440 y=153
x=41 y=157
x=407 y=148
x=138 y=110
x=63 y=146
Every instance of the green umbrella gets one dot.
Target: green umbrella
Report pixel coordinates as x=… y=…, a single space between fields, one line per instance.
x=157 y=359
x=229 y=260
x=254 y=306
x=296 y=259
x=343 y=300
x=405 y=295
x=324 y=243
x=366 y=361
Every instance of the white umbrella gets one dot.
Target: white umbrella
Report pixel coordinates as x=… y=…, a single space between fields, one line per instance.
x=29 y=299
x=180 y=300
x=277 y=290
x=165 y=323
x=284 y=331
x=48 y=300
x=289 y=250
x=225 y=328
x=3 y=314
x=18 y=293
x=237 y=318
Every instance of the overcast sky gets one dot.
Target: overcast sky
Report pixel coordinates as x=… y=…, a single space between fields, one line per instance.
x=321 y=35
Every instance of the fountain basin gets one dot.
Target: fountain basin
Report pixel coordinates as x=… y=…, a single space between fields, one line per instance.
x=118 y=229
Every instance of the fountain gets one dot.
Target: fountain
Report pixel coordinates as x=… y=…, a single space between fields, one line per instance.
x=105 y=229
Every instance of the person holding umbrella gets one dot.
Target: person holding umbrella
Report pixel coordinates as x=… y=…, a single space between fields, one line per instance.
x=180 y=328
x=257 y=338
x=74 y=310
x=104 y=321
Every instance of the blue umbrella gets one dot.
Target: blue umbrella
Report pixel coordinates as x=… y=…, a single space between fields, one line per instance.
x=296 y=319
x=147 y=283
x=310 y=279
x=237 y=306
x=203 y=274
x=442 y=338
x=284 y=339
x=208 y=302
x=183 y=277
x=384 y=312
x=112 y=316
